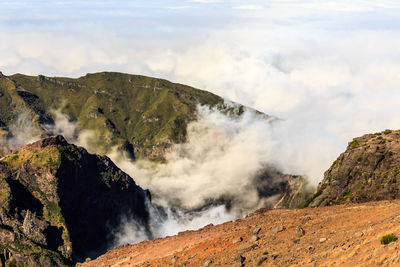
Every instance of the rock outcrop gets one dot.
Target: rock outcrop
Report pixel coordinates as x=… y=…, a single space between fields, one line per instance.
x=368 y=170
x=58 y=203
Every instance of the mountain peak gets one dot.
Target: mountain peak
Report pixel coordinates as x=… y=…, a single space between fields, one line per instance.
x=47 y=141
x=367 y=171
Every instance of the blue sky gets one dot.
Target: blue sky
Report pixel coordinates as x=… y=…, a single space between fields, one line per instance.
x=328 y=68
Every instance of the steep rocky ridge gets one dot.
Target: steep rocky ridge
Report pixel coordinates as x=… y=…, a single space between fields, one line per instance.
x=368 y=170
x=58 y=203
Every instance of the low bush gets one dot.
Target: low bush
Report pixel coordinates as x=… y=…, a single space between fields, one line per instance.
x=389 y=238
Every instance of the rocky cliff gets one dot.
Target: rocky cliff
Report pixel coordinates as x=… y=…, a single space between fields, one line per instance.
x=58 y=203
x=368 y=170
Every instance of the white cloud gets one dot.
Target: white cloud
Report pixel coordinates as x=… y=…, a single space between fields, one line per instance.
x=247 y=7
x=180 y=7
x=219 y=160
x=206 y=1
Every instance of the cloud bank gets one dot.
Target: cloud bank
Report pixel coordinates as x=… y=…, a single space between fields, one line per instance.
x=219 y=161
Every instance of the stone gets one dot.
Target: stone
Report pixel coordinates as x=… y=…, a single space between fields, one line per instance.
x=240 y=258
x=253 y=238
x=358 y=234
x=322 y=240
x=262 y=260
x=246 y=248
x=257 y=231
x=300 y=231
x=237 y=240
x=310 y=248
x=305 y=220
x=192 y=256
x=278 y=229
x=207 y=263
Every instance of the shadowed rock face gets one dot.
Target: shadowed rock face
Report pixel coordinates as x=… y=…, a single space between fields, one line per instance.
x=58 y=203
x=368 y=170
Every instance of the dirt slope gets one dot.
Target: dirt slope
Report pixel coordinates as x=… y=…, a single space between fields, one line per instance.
x=345 y=235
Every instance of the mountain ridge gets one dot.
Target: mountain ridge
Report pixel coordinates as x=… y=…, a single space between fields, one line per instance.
x=58 y=202
x=141 y=114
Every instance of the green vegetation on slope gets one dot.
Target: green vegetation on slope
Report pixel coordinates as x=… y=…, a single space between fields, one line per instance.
x=123 y=110
x=28 y=199
x=389 y=238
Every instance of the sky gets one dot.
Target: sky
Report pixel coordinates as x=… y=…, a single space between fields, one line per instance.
x=328 y=69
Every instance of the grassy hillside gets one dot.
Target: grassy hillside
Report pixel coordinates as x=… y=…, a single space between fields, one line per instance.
x=134 y=112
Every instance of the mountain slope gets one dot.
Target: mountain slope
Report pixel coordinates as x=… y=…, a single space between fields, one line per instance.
x=368 y=170
x=58 y=203
x=140 y=114
x=343 y=235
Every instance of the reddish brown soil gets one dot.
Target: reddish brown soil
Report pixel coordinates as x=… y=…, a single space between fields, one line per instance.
x=352 y=234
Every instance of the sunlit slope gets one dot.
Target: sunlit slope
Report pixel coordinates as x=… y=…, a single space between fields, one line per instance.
x=131 y=111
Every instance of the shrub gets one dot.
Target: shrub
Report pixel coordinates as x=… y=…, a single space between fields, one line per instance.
x=354 y=144
x=389 y=238
x=11 y=263
x=387 y=131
